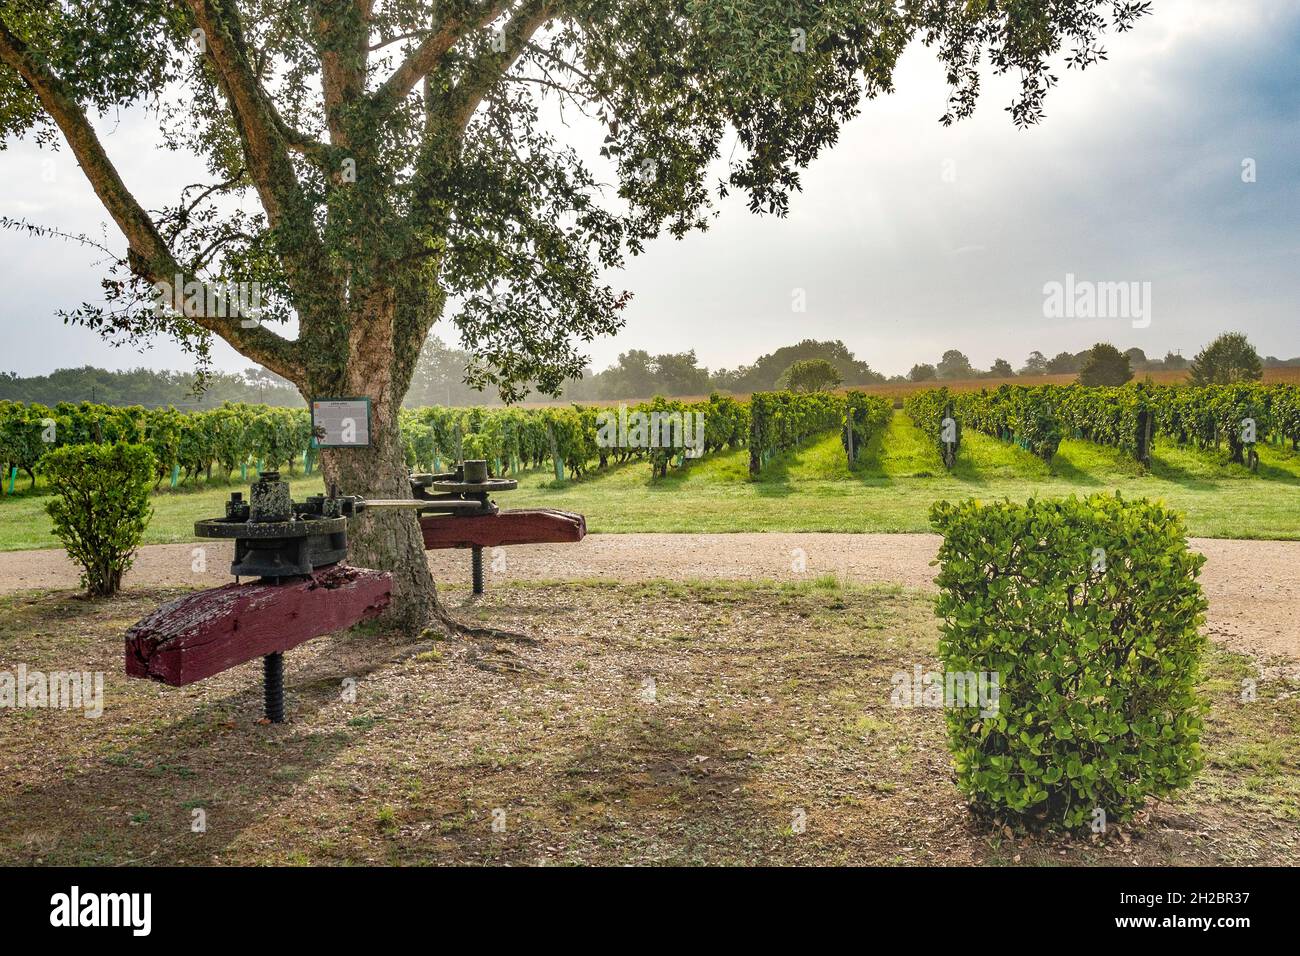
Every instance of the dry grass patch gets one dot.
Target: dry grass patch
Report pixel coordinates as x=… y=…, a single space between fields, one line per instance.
x=652 y=723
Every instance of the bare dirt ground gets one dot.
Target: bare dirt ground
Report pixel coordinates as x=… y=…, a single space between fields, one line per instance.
x=1253 y=586
x=644 y=723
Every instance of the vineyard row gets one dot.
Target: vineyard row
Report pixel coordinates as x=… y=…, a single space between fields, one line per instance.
x=667 y=433
x=664 y=433
x=1130 y=418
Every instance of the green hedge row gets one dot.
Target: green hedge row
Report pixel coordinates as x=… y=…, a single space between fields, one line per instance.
x=186 y=445
x=1129 y=417
x=868 y=415
x=1122 y=417
x=237 y=436
x=1239 y=415
x=513 y=439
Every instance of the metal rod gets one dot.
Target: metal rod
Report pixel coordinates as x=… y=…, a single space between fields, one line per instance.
x=476 y=567
x=372 y=503
x=273 y=685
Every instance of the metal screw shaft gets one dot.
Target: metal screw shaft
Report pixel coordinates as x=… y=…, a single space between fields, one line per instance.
x=273 y=685
x=476 y=567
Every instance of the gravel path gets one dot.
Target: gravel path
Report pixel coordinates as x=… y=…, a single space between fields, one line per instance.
x=1253 y=586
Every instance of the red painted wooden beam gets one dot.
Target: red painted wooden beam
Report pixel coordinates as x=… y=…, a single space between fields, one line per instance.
x=211 y=631
x=517 y=526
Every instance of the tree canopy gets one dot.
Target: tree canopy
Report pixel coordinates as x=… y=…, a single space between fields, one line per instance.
x=406 y=133
x=922 y=372
x=374 y=164
x=1105 y=365
x=810 y=375
x=767 y=369
x=1229 y=358
x=954 y=364
x=142 y=386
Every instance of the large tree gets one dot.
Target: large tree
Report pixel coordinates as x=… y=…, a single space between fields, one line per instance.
x=1001 y=368
x=767 y=369
x=954 y=364
x=680 y=374
x=1036 y=364
x=924 y=372
x=1229 y=358
x=400 y=160
x=810 y=375
x=1105 y=365
x=1065 y=362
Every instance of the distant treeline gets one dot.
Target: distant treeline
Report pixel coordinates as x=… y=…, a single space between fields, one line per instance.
x=439 y=377
x=150 y=388
x=955 y=365
x=639 y=374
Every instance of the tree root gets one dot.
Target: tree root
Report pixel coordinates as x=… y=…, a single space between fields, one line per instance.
x=455 y=628
x=496 y=660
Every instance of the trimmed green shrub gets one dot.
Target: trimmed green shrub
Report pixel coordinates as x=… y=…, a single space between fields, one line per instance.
x=101 y=507
x=1088 y=610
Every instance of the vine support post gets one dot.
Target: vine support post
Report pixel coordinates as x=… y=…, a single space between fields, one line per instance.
x=849 y=437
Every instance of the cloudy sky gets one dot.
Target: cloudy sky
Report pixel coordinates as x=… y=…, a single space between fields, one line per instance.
x=908 y=238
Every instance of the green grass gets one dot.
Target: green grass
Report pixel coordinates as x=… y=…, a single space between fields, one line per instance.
x=811 y=489
x=24 y=523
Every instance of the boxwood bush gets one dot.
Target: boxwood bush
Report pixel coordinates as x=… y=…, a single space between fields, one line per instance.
x=101 y=507
x=1089 y=612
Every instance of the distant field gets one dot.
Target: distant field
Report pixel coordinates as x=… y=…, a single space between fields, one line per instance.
x=901 y=390
x=812 y=489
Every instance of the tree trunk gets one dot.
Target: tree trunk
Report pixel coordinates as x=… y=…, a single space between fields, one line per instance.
x=388 y=540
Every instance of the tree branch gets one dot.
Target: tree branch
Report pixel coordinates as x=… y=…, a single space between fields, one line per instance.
x=343 y=39
x=148 y=254
x=255 y=121
x=485 y=71
x=431 y=50
x=185 y=210
x=414 y=35
x=318 y=153
x=316 y=290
